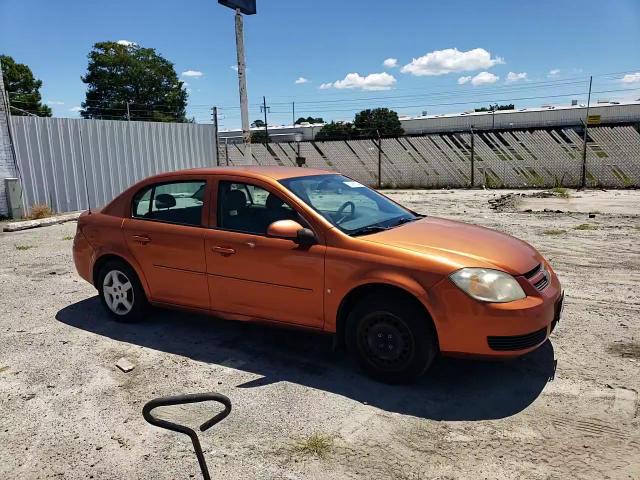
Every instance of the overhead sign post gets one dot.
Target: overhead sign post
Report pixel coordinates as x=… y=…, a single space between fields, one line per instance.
x=246 y=7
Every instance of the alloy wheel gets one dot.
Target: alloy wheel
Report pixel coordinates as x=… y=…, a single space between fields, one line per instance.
x=118 y=292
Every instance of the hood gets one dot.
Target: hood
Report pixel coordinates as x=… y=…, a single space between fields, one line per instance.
x=457 y=242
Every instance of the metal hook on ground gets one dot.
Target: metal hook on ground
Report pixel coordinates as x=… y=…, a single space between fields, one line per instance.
x=185 y=399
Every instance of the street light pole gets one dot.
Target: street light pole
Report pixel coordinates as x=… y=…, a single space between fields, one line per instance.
x=242 y=86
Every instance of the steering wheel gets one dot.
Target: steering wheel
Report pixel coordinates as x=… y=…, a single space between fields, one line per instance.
x=340 y=215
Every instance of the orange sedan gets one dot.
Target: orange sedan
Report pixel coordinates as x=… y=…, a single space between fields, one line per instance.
x=317 y=250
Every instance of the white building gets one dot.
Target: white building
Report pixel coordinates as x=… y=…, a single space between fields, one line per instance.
x=540 y=117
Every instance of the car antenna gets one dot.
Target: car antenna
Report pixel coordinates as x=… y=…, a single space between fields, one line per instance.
x=84 y=167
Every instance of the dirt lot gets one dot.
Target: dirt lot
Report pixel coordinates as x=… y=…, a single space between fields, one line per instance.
x=68 y=412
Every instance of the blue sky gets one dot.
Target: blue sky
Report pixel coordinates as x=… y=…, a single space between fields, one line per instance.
x=549 y=47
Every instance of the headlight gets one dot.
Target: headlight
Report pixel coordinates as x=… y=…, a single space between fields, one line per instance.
x=488 y=285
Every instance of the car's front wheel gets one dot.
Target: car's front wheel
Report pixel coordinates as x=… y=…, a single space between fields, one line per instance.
x=391 y=338
x=120 y=292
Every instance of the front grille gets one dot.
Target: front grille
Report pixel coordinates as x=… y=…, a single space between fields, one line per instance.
x=539 y=271
x=542 y=283
x=517 y=342
x=531 y=273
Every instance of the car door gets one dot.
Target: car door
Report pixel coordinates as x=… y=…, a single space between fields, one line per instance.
x=254 y=275
x=165 y=234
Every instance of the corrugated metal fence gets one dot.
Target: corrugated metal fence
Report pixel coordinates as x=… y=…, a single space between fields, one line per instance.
x=545 y=157
x=116 y=155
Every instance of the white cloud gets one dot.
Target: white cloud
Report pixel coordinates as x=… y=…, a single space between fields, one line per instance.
x=126 y=43
x=516 y=77
x=373 y=81
x=631 y=78
x=390 y=63
x=192 y=73
x=483 y=78
x=553 y=73
x=234 y=68
x=54 y=102
x=75 y=109
x=450 y=60
x=301 y=80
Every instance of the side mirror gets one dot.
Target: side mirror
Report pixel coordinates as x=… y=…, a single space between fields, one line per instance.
x=291 y=230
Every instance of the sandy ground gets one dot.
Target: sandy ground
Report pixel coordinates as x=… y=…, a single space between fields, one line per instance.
x=68 y=412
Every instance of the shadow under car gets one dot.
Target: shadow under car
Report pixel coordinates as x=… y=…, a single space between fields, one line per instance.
x=453 y=389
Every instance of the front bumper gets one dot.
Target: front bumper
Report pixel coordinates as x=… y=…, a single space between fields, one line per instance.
x=467 y=327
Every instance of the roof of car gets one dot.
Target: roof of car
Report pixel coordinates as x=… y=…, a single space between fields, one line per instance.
x=273 y=172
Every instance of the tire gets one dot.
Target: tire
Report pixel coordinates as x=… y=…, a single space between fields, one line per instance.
x=122 y=303
x=391 y=337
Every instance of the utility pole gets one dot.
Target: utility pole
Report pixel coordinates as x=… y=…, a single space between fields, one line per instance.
x=214 y=113
x=583 y=182
x=128 y=114
x=264 y=108
x=242 y=87
x=247 y=7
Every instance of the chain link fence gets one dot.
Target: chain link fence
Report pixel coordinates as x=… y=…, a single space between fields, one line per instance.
x=545 y=157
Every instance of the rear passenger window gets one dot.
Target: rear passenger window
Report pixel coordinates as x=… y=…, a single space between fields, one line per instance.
x=176 y=202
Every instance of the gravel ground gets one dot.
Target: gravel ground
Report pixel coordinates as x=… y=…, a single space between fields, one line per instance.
x=302 y=411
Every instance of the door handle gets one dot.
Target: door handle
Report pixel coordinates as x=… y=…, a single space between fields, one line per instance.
x=224 y=251
x=143 y=239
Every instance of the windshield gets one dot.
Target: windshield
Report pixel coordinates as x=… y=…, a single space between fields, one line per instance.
x=352 y=207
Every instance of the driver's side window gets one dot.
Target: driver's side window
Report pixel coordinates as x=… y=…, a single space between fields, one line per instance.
x=244 y=207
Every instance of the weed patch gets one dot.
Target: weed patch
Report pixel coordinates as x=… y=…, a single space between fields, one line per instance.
x=317 y=445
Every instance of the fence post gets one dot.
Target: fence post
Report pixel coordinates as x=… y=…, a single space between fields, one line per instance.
x=583 y=176
x=472 y=158
x=379 y=159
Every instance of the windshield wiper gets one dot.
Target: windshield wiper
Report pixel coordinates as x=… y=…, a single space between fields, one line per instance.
x=404 y=220
x=368 y=230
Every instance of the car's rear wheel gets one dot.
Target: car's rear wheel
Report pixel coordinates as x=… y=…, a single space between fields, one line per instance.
x=391 y=337
x=120 y=292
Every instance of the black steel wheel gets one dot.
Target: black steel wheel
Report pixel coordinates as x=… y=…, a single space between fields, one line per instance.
x=392 y=338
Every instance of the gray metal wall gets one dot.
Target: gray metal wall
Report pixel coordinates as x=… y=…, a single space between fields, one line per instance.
x=116 y=155
x=516 y=158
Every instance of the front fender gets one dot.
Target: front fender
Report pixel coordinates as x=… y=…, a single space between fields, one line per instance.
x=335 y=297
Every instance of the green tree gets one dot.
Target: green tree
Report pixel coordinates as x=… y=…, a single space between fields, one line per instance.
x=22 y=88
x=258 y=123
x=259 y=136
x=378 y=121
x=309 y=120
x=120 y=74
x=493 y=108
x=336 y=131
